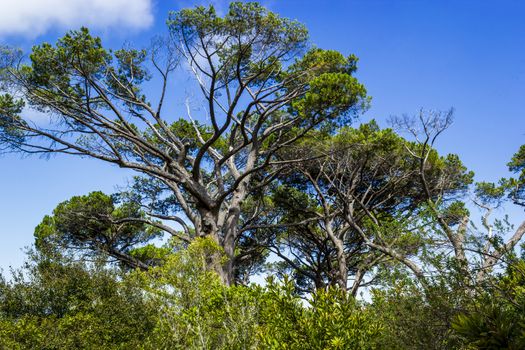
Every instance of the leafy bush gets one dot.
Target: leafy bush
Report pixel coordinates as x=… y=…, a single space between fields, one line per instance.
x=496 y=318
x=70 y=306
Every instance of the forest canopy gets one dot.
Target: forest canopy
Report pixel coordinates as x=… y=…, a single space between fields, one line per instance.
x=368 y=236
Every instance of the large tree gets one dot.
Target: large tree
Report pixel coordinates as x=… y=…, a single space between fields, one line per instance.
x=355 y=204
x=365 y=197
x=261 y=87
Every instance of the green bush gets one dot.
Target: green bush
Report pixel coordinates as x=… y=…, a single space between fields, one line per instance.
x=70 y=306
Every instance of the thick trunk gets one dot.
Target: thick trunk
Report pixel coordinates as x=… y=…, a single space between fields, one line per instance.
x=227 y=267
x=342 y=278
x=229 y=234
x=208 y=226
x=218 y=264
x=343 y=270
x=230 y=230
x=222 y=226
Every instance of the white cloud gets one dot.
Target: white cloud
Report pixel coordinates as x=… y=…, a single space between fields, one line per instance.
x=35 y=17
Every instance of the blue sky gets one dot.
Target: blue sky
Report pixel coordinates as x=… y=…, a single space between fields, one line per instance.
x=469 y=55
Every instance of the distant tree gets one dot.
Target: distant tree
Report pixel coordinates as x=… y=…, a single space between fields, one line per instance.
x=94 y=226
x=262 y=88
x=455 y=242
x=366 y=197
x=355 y=204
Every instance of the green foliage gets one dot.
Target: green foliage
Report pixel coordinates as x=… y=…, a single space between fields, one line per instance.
x=66 y=305
x=241 y=22
x=191 y=134
x=199 y=312
x=94 y=225
x=420 y=318
x=329 y=320
x=55 y=70
x=370 y=177
x=511 y=188
x=332 y=89
x=179 y=305
x=517 y=162
x=489 y=192
x=151 y=254
x=182 y=304
x=195 y=309
x=258 y=42
x=455 y=212
x=263 y=88
x=496 y=318
x=10 y=109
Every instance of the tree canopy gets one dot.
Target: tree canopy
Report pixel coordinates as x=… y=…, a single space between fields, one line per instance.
x=263 y=86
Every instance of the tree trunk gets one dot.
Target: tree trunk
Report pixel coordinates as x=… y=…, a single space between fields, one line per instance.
x=222 y=226
x=342 y=278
